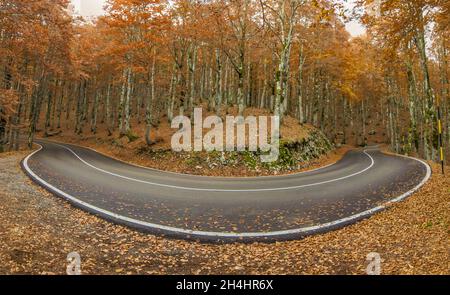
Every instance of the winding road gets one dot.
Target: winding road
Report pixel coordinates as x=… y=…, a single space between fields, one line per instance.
x=215 y=209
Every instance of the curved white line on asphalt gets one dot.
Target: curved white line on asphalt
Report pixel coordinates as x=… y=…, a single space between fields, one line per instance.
x=53 y=141
x=220 y=190
x=303 y=230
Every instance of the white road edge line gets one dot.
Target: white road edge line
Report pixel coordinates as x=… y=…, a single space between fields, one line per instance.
x=220 y=190
x=229 y=234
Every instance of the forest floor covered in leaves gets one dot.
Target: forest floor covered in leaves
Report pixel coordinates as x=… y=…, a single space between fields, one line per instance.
x=38 y=230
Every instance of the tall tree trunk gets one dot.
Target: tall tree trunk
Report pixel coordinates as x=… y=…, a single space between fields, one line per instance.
x=240 y=93
x=363 y=123
x=128 y=102
x=123 y=93
x=202 y=84
x=413 y=137
x=218 y=83
x=17 y=120
x=192 y=63
x=138 y=107
x=211 y=96
x=60 y=104
x=48 y=113
x=248 y=99
x=79 y=112
x=262 y=99
x=172 y=94
x=445 y=86
x=429 y=112
x=392 y=134
x=108 y=109
x=85 y=103
x=149 y=104
x=95 y=112
x=344 y=120
x=300 y=112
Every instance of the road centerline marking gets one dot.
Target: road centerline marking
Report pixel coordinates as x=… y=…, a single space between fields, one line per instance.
x=220 y=190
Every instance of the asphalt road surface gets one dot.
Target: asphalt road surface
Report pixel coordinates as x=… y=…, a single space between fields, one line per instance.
x=215 y=209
